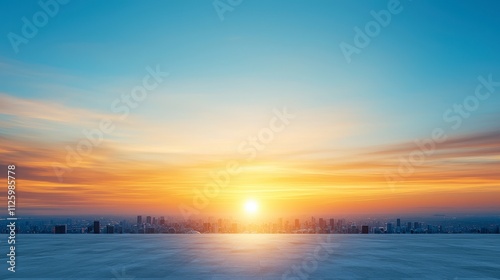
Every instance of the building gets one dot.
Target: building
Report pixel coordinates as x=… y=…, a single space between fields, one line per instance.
x=322 y=223
x=60 y=229
x=340 y=225
x=206 y=227
x=297 y=224
x=332 y=224
x=97 y=227
x=110 y=229
x=398 y=223
x=148 y=220
x=390 y=229
x=139 y=220
x=364 y=229
x=118 y=229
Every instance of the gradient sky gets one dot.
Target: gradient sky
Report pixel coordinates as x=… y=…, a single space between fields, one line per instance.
x=353 y=121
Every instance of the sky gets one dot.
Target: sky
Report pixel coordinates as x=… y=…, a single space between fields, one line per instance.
x=194 y=107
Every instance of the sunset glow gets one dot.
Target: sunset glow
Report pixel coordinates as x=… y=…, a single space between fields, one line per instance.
x=251 y=206
x=194 y=123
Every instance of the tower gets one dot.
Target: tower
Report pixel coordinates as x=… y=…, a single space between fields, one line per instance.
x=97 y=228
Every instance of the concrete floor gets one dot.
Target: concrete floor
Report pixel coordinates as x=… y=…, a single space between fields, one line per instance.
x=248 y=256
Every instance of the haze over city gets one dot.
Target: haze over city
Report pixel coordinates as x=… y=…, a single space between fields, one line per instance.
x=249 y=139
x=213 y=89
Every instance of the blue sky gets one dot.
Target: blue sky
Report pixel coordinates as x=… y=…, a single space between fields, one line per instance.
x=430 y=54
x=227 y=76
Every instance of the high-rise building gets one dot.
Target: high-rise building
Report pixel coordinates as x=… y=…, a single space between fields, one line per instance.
x=97 y=227
x=110 y=229
x=206 y=227
x=408 y=226
x=322 y=223
x=297 y=224
x=60 y=229
x=340 y=225
x=364 y=229
x=139 y=220
x=398 y=225
x=389 y=228
x=332 y=224
x=148 y=220
x=118 y=229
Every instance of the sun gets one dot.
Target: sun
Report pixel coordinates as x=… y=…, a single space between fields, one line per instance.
x=251 y=206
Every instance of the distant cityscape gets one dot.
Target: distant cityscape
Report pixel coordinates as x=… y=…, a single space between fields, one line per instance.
x=312 y=225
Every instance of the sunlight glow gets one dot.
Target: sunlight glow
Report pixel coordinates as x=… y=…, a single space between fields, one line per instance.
x=251 y=206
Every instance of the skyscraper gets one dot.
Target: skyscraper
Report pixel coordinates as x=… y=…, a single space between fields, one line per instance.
x=398 y=223
x=389 y=228
x=110 y=229
x=322 y=223
x=60 y=229
x=139 y=220
x=332 y=224
x=148 y=220
x=364 y=229
x=97 y=228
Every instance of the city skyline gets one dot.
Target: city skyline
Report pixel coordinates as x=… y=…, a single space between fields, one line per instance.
x=250 y=139
x=156 y=115
x=283 y=225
